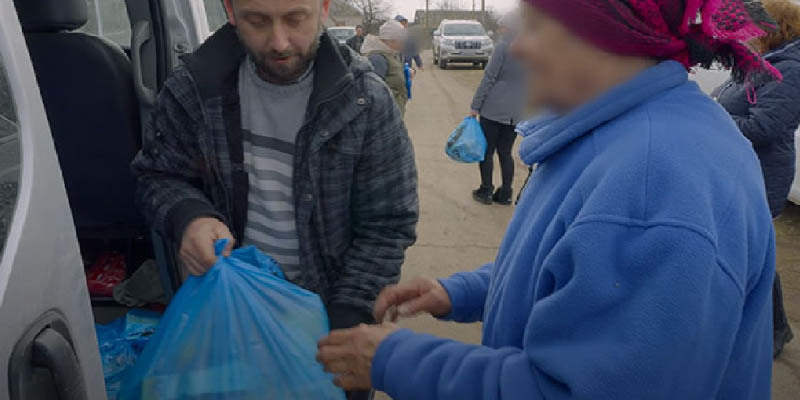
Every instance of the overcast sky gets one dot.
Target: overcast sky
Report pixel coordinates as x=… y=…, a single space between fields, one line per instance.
x=409 y=7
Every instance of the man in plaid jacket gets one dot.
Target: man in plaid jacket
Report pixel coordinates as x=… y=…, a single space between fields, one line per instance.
x=353 y=182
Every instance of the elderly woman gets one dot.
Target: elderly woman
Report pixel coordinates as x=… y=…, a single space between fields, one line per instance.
x=640 y=261
x=769 y=116
x=384 y=52
x=499 y=101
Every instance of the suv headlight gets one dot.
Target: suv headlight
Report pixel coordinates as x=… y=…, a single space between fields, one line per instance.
x=449 y=42
x=487 y=43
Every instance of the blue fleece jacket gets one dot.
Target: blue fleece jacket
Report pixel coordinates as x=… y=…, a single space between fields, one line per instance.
x=639 y=264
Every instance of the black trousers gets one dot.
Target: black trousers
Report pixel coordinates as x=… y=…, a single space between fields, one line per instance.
x=500 y=139
x=780 y=322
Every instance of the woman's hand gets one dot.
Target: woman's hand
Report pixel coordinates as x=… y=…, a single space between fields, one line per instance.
x=411 y=298
x=474 y=113
x=348 y=354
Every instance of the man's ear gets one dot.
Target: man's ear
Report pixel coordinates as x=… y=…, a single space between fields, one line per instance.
x=325 y=12
x=229 y=10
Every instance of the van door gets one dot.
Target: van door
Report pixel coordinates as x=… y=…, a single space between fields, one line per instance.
x=48 y=348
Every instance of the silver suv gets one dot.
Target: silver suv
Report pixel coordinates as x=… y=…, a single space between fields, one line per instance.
x=461 y=41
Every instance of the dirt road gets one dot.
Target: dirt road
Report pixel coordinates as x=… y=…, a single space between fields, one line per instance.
x=457 y=234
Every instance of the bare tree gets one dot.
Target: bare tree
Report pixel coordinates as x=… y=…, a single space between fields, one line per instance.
x=374 y=11
x=449 y=5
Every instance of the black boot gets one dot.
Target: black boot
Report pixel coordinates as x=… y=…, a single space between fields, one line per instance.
x=483 y=195
x=503 y=196
x=781 y=339
x=782 y=331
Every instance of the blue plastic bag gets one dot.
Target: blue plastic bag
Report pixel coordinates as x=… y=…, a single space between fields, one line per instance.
x=467 y=143
x=407 y=73
x=121 y=342
x=239 y=332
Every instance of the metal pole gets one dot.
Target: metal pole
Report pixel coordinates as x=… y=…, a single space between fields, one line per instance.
x=427 y=15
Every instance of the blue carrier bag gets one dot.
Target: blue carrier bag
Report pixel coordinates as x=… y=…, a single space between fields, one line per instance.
x=242 y=331
x=467 y=143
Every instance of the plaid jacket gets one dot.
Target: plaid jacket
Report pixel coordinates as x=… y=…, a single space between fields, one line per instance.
x=355 y=179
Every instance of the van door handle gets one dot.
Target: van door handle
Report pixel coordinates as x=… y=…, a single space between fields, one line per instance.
x=141 y=35
x=52 y=351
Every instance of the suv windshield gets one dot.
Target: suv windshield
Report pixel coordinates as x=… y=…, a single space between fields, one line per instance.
x=464 y=30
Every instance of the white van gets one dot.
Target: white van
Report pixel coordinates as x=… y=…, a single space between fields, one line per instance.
x=77 y=78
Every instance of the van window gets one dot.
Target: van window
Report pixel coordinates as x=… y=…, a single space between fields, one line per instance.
x=109 y=19
x=215 y=12
x=9 y=156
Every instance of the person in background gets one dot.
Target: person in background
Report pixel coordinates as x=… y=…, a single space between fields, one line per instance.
x=384 y=52
x=411 y=49
x=640 y=263
x=768 y=115
x=499 y=101
x=273 y=135
x=357 y=41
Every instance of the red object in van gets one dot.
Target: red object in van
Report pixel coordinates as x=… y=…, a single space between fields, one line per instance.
x=106 y=273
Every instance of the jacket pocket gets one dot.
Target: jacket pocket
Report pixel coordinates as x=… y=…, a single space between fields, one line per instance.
x=341 y=153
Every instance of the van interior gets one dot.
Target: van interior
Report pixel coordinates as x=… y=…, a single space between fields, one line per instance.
x=95 y=97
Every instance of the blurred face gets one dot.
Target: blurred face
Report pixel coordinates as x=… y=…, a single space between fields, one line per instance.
x=281 y=36
x=404 y=23
x=360 y=31
x=561 y=67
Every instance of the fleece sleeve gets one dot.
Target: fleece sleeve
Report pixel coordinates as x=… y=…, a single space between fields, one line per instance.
x=467 y=291
x=622 y=310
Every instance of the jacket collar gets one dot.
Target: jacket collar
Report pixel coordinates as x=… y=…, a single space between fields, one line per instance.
x=215 y=66
x=546 y=136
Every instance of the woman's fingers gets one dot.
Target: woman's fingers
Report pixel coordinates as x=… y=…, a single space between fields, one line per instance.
x=386 y=299
x=419 y=295
x=394 y=296
x=424 y=303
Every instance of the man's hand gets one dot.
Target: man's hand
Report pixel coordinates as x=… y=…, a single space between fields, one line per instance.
x=414 y=297
x=474 y=113
x=197 y=246
x=348 y=354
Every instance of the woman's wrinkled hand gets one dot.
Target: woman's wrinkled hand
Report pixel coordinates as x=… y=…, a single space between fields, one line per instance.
x=348 y=354
x=420 y=295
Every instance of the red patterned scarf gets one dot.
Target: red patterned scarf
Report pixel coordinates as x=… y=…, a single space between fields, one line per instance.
x=693 y=32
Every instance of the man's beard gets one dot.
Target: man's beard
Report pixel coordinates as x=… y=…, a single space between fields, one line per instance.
x=290 y=72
